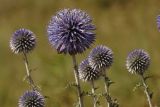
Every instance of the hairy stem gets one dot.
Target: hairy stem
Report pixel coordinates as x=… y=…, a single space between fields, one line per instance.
x=30 y=80
x=93 y=92
x=146 y=90
x=76 y=74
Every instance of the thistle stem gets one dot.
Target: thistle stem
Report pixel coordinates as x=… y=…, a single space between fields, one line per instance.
x=146 y=91
x=30 y=80
x=107 y=90
x=76 y=74
x=93 y=92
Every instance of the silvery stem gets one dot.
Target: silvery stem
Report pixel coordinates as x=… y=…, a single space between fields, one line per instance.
x=107 y=90
x=30 y=80
x=76 y=74
x=93 y=92
x=146 y=91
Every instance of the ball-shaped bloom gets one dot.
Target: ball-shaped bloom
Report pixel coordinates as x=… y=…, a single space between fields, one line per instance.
x=31 y=99
x=71 y=31
x=138 y=61
x=101 y=57
x=158 y=22
x=23 y=40
x=86 y=72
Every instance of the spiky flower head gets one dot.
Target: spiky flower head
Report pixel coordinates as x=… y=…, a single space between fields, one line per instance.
x=138 y=61
x=71 y=31
x=23 y=40
x=31 y=99
x=86 y=72
x=101 y=57
x=158 y=22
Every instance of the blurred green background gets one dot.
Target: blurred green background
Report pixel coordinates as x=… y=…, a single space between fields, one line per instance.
x=122 y=25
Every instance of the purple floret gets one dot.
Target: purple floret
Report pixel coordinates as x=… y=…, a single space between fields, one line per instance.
x=71 y=31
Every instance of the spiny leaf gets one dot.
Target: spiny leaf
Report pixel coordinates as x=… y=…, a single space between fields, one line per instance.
x=138 y=85
x=110 y=83
x=147 y=77
x=72 y=84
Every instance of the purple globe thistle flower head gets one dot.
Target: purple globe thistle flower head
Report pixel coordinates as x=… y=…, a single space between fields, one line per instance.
x=158 y=22
x=23 y=40
x=71 y=31
x=31 y=99
x=86 y=72
x=101 y=57
x=138 y=61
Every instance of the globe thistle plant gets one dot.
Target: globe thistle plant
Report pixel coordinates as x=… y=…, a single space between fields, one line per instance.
x=101 y=57
x=138 y=61
x=87 y=73
x=71 y=31
x=31 y=99
x=23 y=40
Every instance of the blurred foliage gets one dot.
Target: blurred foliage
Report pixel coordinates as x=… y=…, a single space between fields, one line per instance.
x=122 y=25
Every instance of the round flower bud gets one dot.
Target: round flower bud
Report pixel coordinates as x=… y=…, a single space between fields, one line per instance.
x=138 y=61
x=86 y=72
x=101 y=57
x=31 y=99
x=23 y=40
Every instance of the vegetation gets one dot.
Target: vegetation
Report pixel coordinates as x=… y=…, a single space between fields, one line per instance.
x=122 y=25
